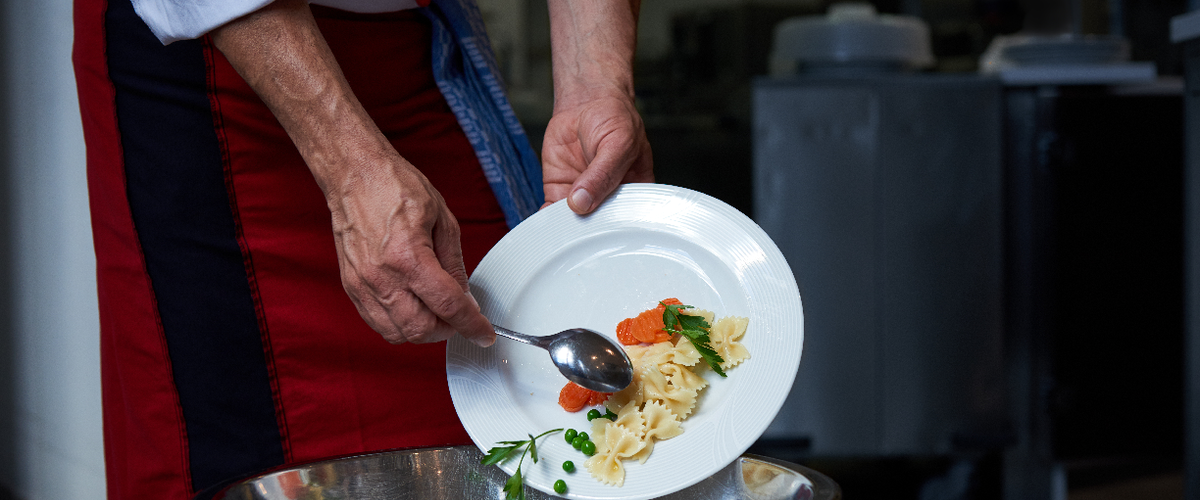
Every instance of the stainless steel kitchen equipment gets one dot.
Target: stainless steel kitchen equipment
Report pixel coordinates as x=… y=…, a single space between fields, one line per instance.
x=852 y=38
x=454 y=473
x=884 y=192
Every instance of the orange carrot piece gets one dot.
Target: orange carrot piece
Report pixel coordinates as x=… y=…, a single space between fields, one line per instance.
x=647 y=327
x=625 y=332
x=598 y=398
x=574 y=397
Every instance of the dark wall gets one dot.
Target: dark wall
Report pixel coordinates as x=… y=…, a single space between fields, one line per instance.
x=1117 y=278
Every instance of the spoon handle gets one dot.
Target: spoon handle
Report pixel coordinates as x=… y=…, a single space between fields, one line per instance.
x=520 y=337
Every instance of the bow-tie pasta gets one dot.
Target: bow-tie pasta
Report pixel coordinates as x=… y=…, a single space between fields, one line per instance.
x=726 y=338
x=660 y=424
x=680 y=376
x=669 y=374
x=618 y=443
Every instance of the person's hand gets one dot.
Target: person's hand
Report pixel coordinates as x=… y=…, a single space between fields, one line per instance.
x=590 y=148
x=397 y=243
x=400 y=257
x=595 y=139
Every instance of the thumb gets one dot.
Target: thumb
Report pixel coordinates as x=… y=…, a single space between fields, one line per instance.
x=601 y=177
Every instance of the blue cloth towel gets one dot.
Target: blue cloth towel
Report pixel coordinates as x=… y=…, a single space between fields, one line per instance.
x=466 y=73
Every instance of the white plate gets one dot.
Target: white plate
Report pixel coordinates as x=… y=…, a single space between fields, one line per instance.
x=557 y=270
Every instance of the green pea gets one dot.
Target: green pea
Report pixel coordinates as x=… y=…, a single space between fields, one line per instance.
x=585 y=436
x=578 y=442
x=569 y=466
x=610 y=415
x=570 y=435
x=593 y=414
x=588 y=448
x=560 y=486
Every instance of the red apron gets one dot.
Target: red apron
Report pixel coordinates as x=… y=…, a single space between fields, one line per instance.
x=227 y=342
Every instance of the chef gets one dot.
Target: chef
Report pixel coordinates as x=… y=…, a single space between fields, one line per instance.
x=287 y=201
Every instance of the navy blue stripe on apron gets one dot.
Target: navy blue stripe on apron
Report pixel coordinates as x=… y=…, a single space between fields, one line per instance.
x=177 y=194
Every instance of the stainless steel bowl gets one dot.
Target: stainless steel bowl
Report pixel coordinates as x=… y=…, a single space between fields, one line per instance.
x=455 y=473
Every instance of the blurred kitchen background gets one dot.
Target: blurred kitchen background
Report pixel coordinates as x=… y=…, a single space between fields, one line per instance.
x=984 y=203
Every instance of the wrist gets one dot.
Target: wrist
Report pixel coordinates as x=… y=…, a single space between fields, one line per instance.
x=340 y=147
x=571 y=95
x=363 y=173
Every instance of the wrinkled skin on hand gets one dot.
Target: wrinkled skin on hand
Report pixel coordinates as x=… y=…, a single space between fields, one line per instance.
x=592 y=147
x=401 y=263
x=397 y=243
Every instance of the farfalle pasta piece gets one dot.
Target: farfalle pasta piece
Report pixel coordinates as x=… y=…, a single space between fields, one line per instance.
x=630 y=394
x=661 y=424
x=726 y=336
x=682 y=377
x=630 y=417
x=653 y=354
x=666 y=352
x=597 y=436
x=686 y=350
x=655 y=388
x=619 y=444
x=708 y=315
x=635 y=352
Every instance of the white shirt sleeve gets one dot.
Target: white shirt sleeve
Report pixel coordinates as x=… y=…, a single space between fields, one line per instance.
x=173 y=20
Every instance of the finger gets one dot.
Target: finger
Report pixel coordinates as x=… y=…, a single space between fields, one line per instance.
x=642 y=169
x=556 y=192
x=415 y=322
x=562 y=159
x=376 y=316
x=442 y=294
x=374 y=313
x=389 y=309
x=447 y=247
x=398 y=316
x=614 y=155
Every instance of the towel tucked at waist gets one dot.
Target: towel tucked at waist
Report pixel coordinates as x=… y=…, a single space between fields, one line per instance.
x=467 y=75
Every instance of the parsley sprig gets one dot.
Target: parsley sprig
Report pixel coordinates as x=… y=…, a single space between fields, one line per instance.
x=696 y=330
x=514 y=488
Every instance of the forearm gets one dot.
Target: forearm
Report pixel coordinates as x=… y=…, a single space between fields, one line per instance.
x=593 y=44
x=397 y=242
x=281 y=54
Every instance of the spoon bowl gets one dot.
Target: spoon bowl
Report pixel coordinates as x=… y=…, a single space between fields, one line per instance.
x=583 y=356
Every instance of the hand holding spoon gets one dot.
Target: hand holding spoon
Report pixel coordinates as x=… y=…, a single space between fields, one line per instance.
x=583 y=356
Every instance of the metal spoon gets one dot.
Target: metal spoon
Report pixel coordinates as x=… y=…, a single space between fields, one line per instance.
x=583 y=356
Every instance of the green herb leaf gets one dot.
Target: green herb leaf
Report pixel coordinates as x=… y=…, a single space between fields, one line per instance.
x=671 y=317
x=499 y=453
x=533 y=448
x=695 y=328
x=701 y=342
x=514 y=488
x=690 y=322
x=539 y=436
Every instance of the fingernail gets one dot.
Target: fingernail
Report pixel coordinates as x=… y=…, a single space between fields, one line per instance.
x=484 y=341
x=473 y=301
x=581 y=199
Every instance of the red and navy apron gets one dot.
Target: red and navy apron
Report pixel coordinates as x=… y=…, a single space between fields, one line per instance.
x=228 y=344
